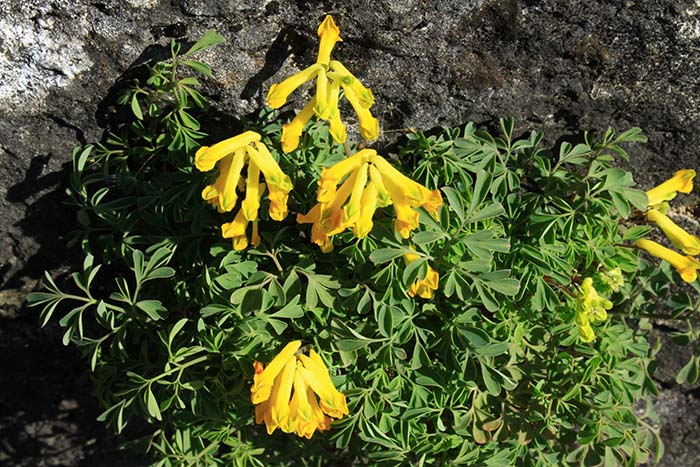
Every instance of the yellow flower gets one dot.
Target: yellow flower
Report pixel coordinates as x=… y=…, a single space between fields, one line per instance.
x=264 y=378
x=369 y=182
x=233 y=154
x=329 y=34
x=330 y=76
x=291 y=132
x=278 y=93
x=686 y=266
x=590 y=307
x=222 y=193
x=679 y=238
x=315 y=375
x=285 y=393
x=424 y=287
x=207 y=156
x=682 y=181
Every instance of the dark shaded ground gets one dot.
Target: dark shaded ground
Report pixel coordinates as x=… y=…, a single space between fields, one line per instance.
x=561 y=66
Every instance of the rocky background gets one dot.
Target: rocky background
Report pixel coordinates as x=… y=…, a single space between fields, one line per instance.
x=556 y=66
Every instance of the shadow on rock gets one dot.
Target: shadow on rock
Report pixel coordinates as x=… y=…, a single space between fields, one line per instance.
x=47 y=220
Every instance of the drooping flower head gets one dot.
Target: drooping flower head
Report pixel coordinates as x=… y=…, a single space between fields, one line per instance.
x=426 y=286
x=681 y=181
x=232 y=155
x=679 y=238
x=686 y=266
x=295 y=393
x=590 y=307
x=330 y=76
x=350 y=191
x=613 y=279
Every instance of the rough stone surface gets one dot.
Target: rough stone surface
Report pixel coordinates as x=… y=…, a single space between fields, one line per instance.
x=557 y=66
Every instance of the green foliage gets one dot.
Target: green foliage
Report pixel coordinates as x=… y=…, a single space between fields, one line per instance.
x=491 y=371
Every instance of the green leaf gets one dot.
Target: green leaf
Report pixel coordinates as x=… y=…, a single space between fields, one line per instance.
x=427 y=236
x=291 y=310
x=689 y=373
x=487 y=212
x=136 y=107
x=198 y=66
x=417 y=268
x=348 y=345
x=177 y=327
x=209 y=39
x=153 y=308
x=636 y=198
x=454 y=200
x=152 y=405
x=382 y=255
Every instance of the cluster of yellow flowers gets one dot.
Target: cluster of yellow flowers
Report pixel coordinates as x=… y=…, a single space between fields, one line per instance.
x=232 y=155
x=330 y=77
x=349 y=192
x=298 y=412
x=590 y=307
x=687 y=266
x=369 y=182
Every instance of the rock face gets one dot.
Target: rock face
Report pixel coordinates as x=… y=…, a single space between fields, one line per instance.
x=557 y=66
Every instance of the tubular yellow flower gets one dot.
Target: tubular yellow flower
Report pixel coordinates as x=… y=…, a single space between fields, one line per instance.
x=383 y=198
x=341 y=74
x=679 y=238
x=281 y=395
x=686 y=266
x=315 y=375
x=407 y=219
x=681 y=181
x=222 y=193
x=332 y=212
x=251 y=203
x=278 y=93
x=351 y=211
x=236 y=231
x=264 y=377
x=321 y=108
x=207 y=156
x=337 y=127
x=291 y=132
x=364 y=223
x=590 y=303
x=285 y=393
x=329 y=34
x=424 y=287
x=369 y=126
x=400 y=187
x=303 y=416
x=274 y=177
x=590 y=307
x=585 y=330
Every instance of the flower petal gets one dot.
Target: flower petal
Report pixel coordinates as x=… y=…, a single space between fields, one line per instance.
x=262 y=381
x=329 y=34
x=207 y=156
x=278 y=93
x=679 y=238
x=291 y=132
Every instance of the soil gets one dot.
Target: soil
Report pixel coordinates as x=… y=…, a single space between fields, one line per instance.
x=561 y=66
